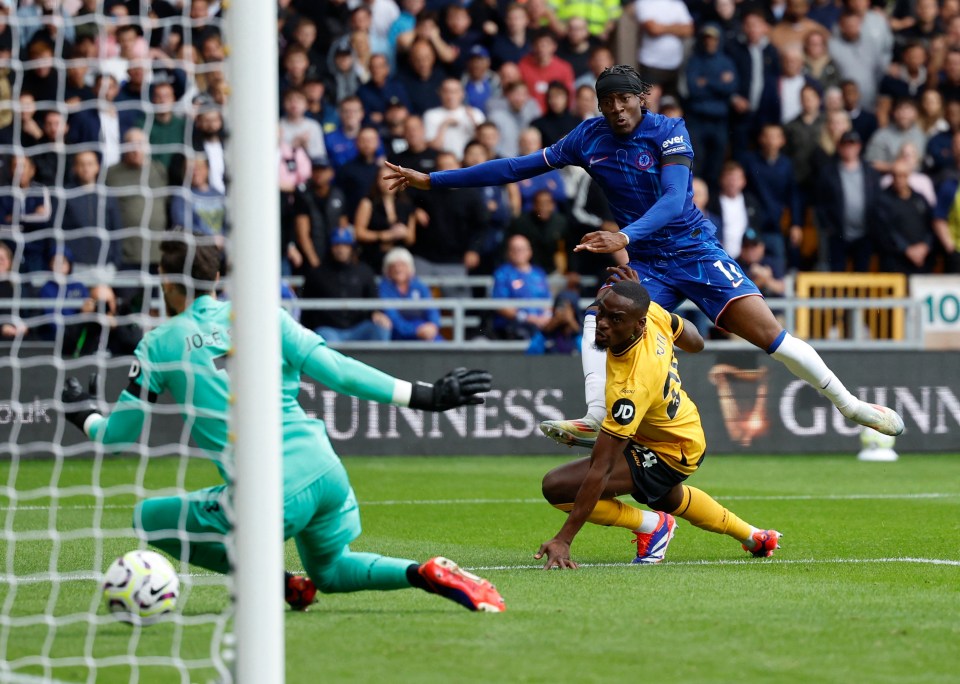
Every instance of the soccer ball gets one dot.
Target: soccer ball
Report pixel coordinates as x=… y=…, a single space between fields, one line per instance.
x=140 y=587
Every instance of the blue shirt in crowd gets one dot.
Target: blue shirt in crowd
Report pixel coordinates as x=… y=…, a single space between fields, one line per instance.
x=509 y=282
x=406 y=321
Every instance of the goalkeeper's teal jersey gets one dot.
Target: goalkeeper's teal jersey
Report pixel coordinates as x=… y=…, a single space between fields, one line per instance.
x=186 y=356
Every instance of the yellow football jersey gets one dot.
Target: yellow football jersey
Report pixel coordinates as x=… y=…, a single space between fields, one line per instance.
x=645 y=401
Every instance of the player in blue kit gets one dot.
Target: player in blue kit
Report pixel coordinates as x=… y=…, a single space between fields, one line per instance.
x=643 y=161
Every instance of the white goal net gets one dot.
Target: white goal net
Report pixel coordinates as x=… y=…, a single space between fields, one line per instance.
x=111 y=138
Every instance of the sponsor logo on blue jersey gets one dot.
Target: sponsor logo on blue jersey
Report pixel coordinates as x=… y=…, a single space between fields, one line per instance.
x=675 y=140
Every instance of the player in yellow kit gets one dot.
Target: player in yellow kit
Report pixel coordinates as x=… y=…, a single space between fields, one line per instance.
x=650 y=441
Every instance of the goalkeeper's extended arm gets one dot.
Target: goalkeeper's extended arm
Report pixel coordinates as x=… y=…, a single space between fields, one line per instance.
x=459 y=387
x=78 y=404
x=122 y=427
x=349 y=376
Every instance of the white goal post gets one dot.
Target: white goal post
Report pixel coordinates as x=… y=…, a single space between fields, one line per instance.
x=66 y=502
x=255 y=371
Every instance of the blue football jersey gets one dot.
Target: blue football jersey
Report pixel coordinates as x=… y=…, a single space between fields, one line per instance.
x=675 y=252
x=628 y=171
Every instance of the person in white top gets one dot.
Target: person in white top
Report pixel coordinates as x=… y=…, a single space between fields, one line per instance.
x=107 y=88
x=299 y=131
x=792 y=80
x=209 y=130
x=876 y=24
x=732 y=204
x=453 y=124
x=664 y=24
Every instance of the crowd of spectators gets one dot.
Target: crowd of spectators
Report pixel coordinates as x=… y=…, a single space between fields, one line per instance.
x=825 y=131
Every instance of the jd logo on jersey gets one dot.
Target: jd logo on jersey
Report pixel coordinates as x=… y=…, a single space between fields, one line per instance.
x=624 y=411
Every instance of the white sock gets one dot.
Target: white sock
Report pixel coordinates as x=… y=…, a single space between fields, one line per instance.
x=650 y=522
x=594 y=370
x=803 y=361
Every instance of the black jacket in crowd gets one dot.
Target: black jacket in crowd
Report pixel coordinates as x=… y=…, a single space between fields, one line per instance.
x=337 y=280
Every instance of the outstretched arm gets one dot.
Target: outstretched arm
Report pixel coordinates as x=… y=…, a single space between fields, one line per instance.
x=493 y=172
x=605 y=452
x=349 y=376
x=674 y=179
x=124 y=424
x=122 y=427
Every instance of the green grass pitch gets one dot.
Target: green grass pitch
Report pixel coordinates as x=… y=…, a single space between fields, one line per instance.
x=865 y=589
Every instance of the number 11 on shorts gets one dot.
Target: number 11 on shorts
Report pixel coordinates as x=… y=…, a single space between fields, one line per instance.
x=731 y=271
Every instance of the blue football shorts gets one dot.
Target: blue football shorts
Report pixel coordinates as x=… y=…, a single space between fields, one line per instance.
x=707 y=276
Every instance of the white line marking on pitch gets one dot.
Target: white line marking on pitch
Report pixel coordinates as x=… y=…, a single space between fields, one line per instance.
x=744 y=561
x=457 y=502
x=211 y=579
x=788 y=497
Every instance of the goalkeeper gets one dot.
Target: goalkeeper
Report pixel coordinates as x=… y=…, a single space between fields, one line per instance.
x=184 y=356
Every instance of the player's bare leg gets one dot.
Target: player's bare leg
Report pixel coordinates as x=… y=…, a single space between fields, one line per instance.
x=751 y=319
x=561 y=484
x=653 y=530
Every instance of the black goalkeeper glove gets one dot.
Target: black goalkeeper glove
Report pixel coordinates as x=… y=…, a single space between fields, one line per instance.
x=459 y=387
x=77 y=401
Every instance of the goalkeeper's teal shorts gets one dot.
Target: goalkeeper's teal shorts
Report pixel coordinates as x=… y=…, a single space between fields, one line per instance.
x=323 y=516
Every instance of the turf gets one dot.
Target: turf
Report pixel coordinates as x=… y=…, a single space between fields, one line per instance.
x=855 y=595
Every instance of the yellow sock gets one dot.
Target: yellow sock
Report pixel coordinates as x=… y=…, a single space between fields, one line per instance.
x=702 y=510
x=612 y=513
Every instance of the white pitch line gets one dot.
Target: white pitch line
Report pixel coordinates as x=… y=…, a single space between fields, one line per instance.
x=787 y=497
x=207 y=578
x=743 y=561
x=458 y=502
x=840 y=497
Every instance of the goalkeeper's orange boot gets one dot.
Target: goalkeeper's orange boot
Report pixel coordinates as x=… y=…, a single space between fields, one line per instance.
x=448 y=579
x=298 y=591
x=581 y=432
x=765 y=542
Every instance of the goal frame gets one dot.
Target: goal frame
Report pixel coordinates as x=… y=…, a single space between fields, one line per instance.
x=255 y=363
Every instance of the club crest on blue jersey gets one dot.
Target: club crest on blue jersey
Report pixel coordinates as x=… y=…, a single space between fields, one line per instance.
x=644 y=161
